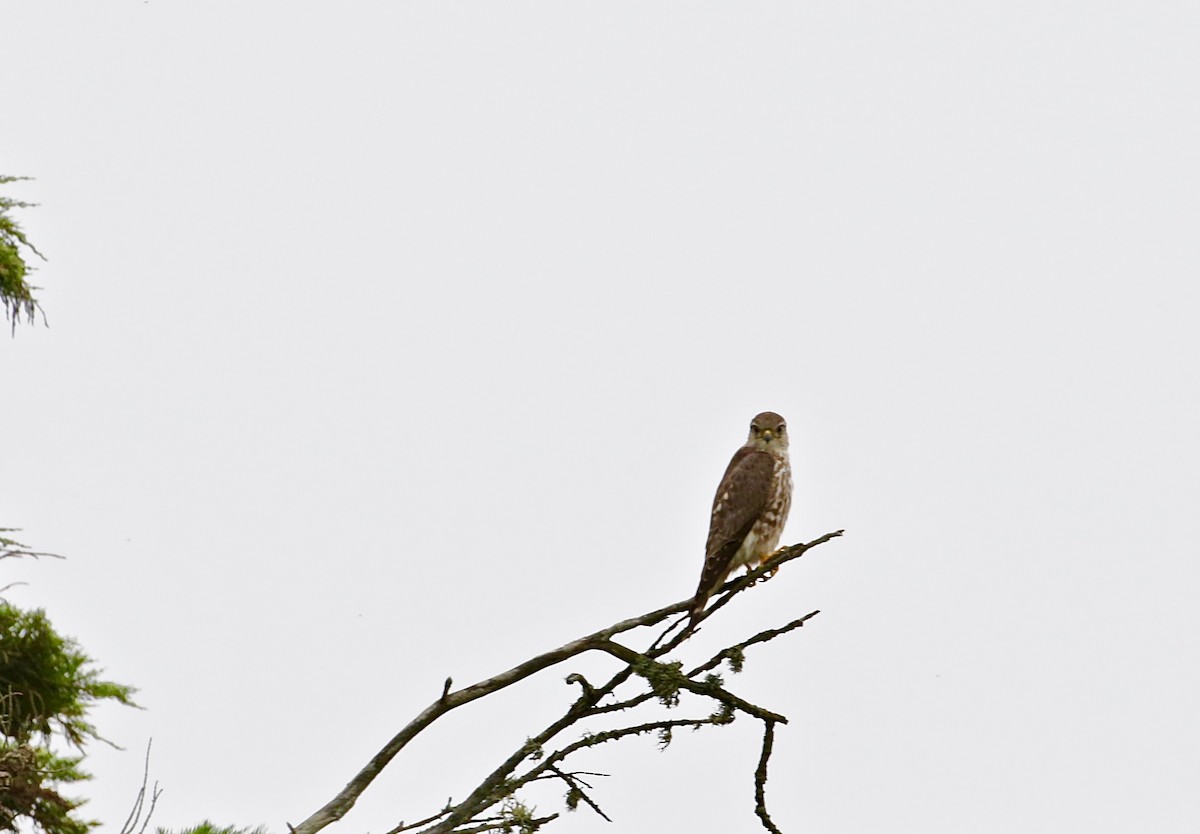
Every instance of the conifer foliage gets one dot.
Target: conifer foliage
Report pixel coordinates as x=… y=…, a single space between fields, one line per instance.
x=16 y=295
x=47 y=686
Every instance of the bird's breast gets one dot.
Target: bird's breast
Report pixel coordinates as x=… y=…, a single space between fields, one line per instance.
x=763 y=538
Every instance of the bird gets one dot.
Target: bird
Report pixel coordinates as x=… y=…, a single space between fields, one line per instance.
x=749 y=510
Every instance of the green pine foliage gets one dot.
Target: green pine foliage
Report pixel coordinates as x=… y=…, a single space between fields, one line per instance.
x=16 y=295
x=48 y=683
x=27 y=778
x=47 y=687
x=208 y=827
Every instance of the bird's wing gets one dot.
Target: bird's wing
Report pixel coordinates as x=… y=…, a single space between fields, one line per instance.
x=741 y=498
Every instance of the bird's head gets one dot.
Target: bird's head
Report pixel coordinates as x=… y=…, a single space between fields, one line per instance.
x=768 y=431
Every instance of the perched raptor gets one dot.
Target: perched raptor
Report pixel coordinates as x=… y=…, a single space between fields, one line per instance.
x=750 y=507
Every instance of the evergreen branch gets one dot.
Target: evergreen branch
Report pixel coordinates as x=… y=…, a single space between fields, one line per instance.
x=16 y=294
x=10 y=548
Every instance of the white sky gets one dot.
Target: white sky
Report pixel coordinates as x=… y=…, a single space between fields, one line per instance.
x=392 y=341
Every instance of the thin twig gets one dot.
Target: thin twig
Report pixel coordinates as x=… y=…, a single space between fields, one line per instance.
x=574 y=784
x=761 y=637
x=621 y=706
x=426 y=821
x=534 y=824
x=135 y=813
x=155 y=793
x=576 y=774
x=593 y=739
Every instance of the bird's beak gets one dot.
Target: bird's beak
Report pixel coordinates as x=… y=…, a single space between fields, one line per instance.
x=768 y=435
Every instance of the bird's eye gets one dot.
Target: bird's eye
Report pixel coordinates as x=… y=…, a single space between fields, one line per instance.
x=782 y=428
x=755 y=428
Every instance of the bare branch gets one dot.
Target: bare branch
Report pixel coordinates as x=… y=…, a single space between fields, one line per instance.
x=760 y=779
x=500 y=783
x=337 y=807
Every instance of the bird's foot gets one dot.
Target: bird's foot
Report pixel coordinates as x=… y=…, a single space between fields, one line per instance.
x=764 y=577
x=768 y=575
x=771 y=573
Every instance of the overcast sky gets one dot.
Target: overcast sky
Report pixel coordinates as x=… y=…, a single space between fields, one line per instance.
x=391 y=341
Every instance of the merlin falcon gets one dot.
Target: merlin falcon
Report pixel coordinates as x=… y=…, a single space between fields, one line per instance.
x=750 y=508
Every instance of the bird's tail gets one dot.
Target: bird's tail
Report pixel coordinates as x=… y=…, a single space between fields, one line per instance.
x=696 y=610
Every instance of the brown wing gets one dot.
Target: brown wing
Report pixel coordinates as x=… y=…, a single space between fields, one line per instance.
x=741 y=499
